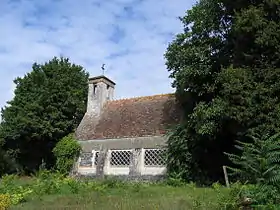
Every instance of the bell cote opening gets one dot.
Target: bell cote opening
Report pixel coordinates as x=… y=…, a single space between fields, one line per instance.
x=101 y=90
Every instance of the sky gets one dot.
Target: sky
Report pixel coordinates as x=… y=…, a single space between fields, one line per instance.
x=129 y=36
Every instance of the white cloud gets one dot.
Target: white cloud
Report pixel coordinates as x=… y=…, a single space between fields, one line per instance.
x=130 y=36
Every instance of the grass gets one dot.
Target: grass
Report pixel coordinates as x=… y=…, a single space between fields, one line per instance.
x=53 y=191
x=144 y=197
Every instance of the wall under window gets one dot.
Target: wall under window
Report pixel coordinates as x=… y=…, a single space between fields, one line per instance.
x=124 y=156
x=148 y=161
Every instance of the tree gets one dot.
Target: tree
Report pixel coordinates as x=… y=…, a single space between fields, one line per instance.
x=226 y=63
x=49 y=103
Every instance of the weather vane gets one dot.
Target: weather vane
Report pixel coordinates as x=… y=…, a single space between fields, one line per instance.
x=103 y=68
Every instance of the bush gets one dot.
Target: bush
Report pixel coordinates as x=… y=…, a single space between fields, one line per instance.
x=228 y=199
x=17 y=194
x=66 y=152
x=259 y=161
x=248 y=196
x=175 y=180
x=20 y=195
x=261 y=195
x=48 y=182
x=5 y=201
x=8 y=184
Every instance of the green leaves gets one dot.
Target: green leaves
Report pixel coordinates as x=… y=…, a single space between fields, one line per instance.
x=66 y=152
x=257 y=27
x=227 y=62
x=49 y=103
x=209 y=117
x=259 y=160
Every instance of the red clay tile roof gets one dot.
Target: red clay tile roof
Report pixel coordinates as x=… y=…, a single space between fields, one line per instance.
x=134 y=117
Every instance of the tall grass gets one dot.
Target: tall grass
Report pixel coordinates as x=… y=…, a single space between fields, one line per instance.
x=50 y=190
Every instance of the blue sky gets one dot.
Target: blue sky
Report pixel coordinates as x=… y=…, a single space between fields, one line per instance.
x=129 y=36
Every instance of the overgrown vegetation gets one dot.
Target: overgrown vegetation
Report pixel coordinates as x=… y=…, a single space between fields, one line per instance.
x=225 y=66
x=258 y=165
x=226 y=70
x=258 y=162
x=54 y=190
x=66 y=153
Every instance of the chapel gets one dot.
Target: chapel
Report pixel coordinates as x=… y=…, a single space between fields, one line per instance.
x=124 y=137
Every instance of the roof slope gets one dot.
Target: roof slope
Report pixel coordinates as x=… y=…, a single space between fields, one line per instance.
x=135 y=117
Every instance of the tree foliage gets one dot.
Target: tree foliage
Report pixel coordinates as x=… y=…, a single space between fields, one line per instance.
x=66 y=152
x=225 y=66
x=49 y=103
x=7 y=161
x=258 y=161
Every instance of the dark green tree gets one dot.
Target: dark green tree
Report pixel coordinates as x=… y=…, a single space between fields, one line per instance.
x=49 y=103
x=7 y=161
x=225 y=66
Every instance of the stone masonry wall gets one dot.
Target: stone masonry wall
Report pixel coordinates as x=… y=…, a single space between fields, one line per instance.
x=134 y=144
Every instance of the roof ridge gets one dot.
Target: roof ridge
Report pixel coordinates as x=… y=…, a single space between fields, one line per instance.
x=142 y=97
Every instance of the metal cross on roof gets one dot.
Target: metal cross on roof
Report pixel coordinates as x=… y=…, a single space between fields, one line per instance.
x=103 y=68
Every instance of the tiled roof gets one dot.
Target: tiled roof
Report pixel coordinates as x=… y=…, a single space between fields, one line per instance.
x=134 y=117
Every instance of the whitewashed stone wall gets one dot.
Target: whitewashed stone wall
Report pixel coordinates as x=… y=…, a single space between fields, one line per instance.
x=128 y=156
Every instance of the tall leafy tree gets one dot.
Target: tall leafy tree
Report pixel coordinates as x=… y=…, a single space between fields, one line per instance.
x=49 y=103
x=225 y=66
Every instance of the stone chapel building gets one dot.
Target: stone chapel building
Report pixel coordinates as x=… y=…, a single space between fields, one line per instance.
x=126 y=136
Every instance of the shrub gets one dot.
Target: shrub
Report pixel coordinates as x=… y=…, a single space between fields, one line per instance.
x=259 y=161
x=175 y=180
x=5 y=201
x=17 y=194
x=20 y=195
x=74 y=186
x=248 y=196
x=262 y=194
x=229 y=199
x=257 y=164
x=95 y=186
x=66 y=152
x=8 y=183
x=48 y=182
